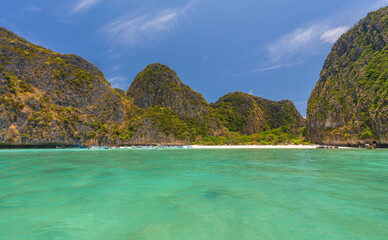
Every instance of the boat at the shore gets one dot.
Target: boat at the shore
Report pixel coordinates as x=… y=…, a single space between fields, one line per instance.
x=172 y=147
x=142 y=147
x=97 y=147
x=327 y=146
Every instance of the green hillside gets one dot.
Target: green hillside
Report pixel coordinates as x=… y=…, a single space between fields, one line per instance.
x=47 y=98
x=349 y=104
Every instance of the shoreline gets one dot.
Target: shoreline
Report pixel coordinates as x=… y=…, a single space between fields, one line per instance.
x=145 y=147
x=260 y=147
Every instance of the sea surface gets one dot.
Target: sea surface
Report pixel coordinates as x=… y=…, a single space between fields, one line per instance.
x=194 y=194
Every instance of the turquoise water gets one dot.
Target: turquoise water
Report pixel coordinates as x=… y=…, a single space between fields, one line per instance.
x=194 y=194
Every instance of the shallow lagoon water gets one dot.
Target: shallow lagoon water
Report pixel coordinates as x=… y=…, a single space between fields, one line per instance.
x=194 y=194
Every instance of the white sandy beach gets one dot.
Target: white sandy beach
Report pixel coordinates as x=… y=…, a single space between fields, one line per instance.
x=258 y=147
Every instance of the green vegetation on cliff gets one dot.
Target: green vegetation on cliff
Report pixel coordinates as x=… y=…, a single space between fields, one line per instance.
x=172 y=106
x=287 y=134
x=248 y=114
x=52 y=98
x=46 y=97
x=349 y=104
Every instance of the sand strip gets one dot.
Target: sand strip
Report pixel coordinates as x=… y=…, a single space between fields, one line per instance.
x=258 y=147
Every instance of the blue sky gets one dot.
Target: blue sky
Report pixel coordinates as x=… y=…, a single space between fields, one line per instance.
x=274 y=49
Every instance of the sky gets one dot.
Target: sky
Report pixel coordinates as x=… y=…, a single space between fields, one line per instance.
x=274 y=49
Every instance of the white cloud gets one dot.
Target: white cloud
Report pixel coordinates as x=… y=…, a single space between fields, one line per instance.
x=273 y=67
x=308 y=41
x=304 y=42
x=331 y=35
x=84 y=4
x=262 y=69
x=250 y=92
x=117 y=79
x=113 y=54
x=130 y=31
x=297 y=46
x=118 y=82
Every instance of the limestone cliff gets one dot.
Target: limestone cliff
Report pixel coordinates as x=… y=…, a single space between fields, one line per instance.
x=47 y=97
x=349 y=104
x=248 y=114
x=172 y=106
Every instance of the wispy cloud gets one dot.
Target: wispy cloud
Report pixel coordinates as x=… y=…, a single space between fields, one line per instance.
x=296 y=47
x=308 y=41
x=304 y=42
x=118 y=82
x=262 y=69
x=332 y=35
x=83 y=5
x=130 y=30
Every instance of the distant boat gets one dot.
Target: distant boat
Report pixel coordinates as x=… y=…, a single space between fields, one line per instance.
x=320 y=146
x=369 y=146
x=96 y=147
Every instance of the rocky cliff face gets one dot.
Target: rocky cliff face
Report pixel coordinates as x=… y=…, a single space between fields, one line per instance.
x=349 y=104
x=159 y=85
x=171 y=106
x=248 y=114
x=52 y=98
x=46 y=97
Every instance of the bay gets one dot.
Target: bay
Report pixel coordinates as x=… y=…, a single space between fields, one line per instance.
x=194 y=194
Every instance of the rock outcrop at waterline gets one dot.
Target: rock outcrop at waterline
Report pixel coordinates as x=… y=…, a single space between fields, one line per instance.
x=349 y=104
x=47 y=98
